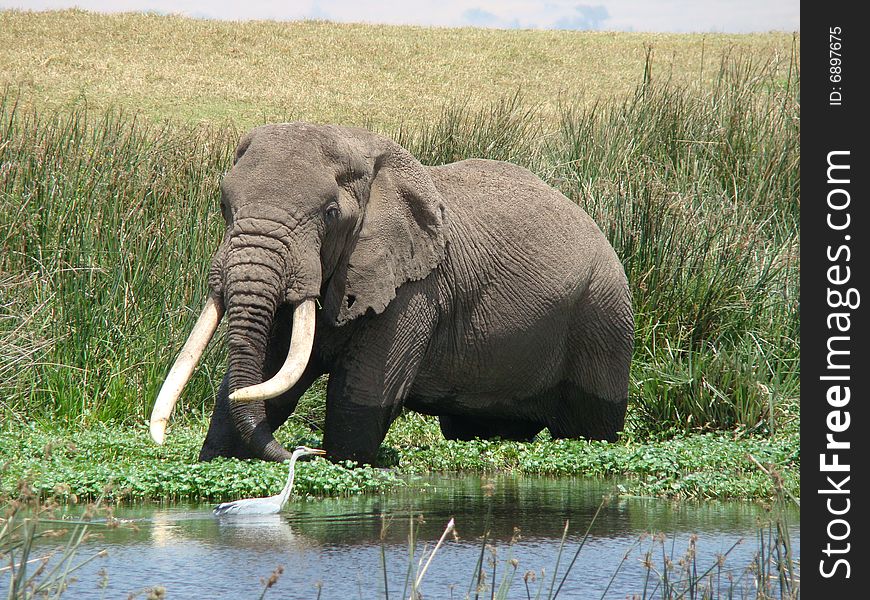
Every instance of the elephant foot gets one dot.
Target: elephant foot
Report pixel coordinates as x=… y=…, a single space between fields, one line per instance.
x=224 y=440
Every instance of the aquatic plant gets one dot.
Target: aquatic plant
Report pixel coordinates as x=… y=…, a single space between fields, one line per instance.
x=108 y=220
x=122 y=463
x=668 y=573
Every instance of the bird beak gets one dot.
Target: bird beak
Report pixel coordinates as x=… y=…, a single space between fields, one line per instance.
x=318 y=452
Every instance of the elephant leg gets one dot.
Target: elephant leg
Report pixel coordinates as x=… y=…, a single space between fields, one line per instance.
x=592 y=398
x=370 y=382
x=222 y=438
x=356 y=419
x=465 y=428
x=581 y=414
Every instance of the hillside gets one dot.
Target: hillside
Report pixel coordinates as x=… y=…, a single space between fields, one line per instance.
x=250 y=72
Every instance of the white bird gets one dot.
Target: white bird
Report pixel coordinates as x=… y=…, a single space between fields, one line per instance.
x=273 y=504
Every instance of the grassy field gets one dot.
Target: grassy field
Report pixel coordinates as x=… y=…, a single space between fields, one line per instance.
x=247 y=73
x=110 y=156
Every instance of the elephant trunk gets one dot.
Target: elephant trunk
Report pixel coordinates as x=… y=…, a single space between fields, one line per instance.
x=301 y=344
x=255 y=287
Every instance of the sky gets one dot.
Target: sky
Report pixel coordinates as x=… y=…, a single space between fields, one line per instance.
x=678 y=16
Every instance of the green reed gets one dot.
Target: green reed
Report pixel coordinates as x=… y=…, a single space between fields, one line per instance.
x=698 y=190
x=108 y=221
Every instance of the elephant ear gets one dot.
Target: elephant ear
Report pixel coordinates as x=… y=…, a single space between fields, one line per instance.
x=400 y=238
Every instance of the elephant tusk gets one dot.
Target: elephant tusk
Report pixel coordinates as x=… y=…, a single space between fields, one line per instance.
x=301 y=343
x=183 y=367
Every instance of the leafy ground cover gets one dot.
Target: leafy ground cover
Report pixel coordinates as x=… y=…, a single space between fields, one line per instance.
x=123 y=463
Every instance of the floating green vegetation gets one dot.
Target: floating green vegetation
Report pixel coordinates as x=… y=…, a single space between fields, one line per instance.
x=122 y=462
x=715 y=464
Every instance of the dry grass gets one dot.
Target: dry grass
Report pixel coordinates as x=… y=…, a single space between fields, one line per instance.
x=216 y=71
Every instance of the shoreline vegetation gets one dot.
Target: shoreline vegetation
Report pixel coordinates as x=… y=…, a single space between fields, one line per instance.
x=121 y=464
x=108 y=218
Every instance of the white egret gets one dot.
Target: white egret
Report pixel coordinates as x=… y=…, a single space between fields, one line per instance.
x=272 y=504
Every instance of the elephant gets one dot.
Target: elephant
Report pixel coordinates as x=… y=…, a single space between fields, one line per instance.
x=472 y=291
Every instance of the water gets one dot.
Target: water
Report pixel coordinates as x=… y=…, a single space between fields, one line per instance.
x=336 y=542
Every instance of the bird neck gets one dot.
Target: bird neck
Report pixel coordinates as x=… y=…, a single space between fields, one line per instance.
x=285 y=493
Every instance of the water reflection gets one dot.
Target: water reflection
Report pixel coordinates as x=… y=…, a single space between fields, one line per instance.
x=338 y=541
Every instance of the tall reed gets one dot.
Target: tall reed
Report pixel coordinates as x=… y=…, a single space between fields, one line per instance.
x=107 y=223
x=698 y=190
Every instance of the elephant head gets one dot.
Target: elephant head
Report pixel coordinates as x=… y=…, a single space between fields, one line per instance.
x=313 y=213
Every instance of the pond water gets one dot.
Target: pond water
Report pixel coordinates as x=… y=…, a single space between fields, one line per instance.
x=333 y=546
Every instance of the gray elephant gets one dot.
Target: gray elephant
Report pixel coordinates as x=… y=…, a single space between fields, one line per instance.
x=471 y=291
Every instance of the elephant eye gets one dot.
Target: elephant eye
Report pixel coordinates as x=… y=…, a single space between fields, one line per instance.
x=331 y=214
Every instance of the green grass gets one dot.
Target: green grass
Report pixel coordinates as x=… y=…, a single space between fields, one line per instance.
x=108 y=222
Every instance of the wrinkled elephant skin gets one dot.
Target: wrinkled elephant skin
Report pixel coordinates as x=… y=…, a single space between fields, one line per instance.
x=472 y=291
